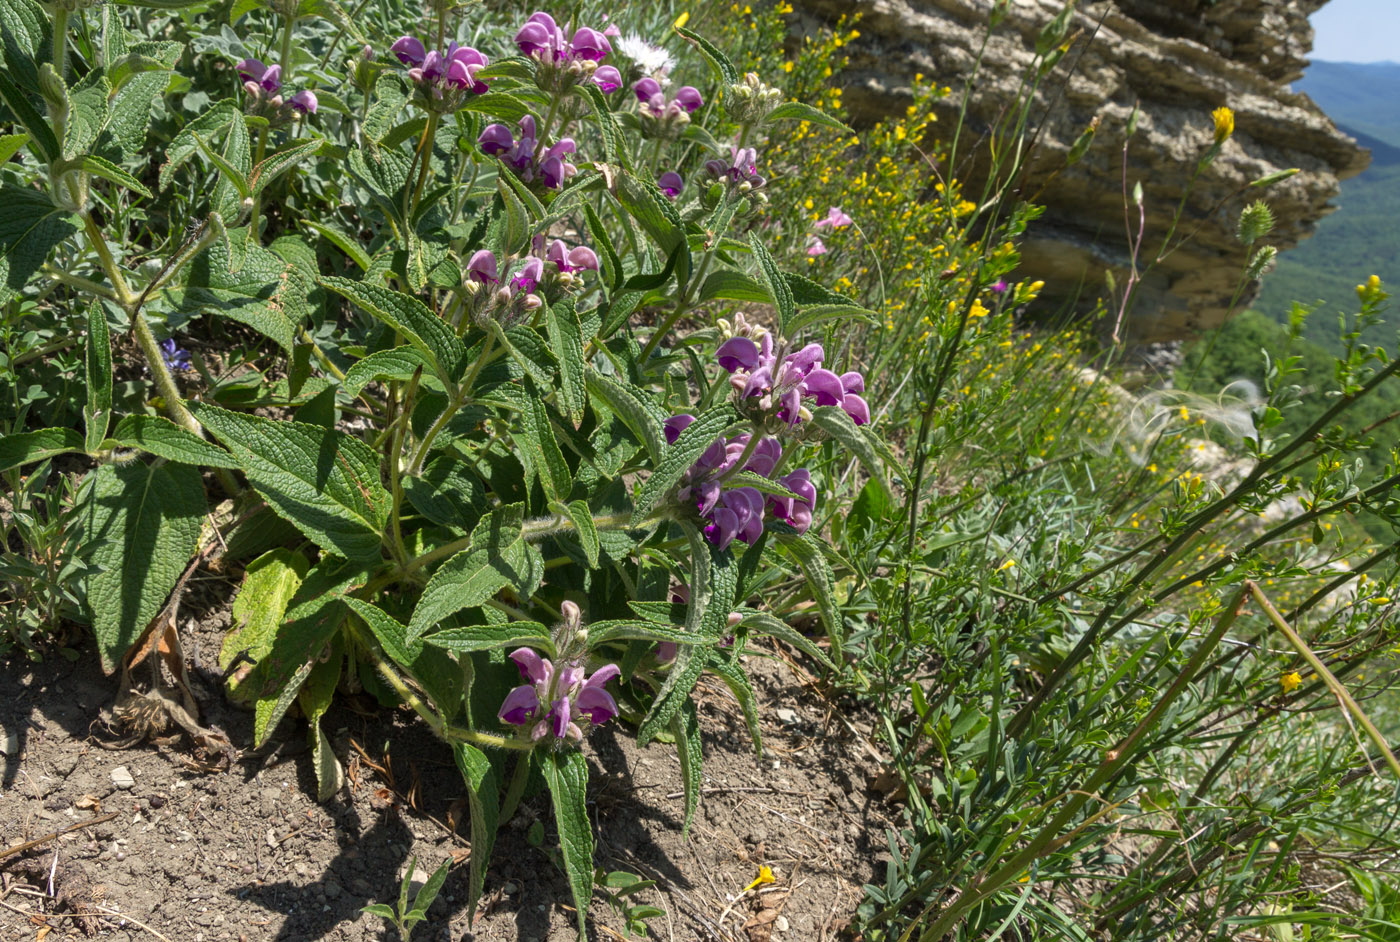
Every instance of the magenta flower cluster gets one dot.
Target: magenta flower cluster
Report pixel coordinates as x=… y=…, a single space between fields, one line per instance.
x=741 y=169
x=578 y=54
x=654 y=102
x=263 y=82
x=554 y=698
x=549 y=165
x=738 y=512
x=783 y=385
x=453 y=69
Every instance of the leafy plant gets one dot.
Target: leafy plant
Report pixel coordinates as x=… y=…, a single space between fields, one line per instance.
x=404 y=917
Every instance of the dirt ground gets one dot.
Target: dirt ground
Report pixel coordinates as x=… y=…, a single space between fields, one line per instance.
x=248 y=853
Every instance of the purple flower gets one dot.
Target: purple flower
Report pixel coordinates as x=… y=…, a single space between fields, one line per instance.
x=482 y=268
x=541 y=38
x=303 y=101
x=453 y=68
x=737 y=514
x=675 y=425
x=780 y=384
x=834 y=218
x=174 y=357
x=409 y=50
x=671 y=183
x=569 y=695
x=1000 y=287
x=268 y=78
x=646 y=89
x=689 y=98
x=796 y=511
x=742 y=168
x=570 y=260
x=496 y=139
x=816 y=247
x=529 y=276
x=607 y=78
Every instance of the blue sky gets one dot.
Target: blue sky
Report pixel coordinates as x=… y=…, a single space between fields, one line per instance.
x=1358 y=31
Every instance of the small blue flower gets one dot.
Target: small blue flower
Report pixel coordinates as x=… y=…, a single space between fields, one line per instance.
x=174 y=357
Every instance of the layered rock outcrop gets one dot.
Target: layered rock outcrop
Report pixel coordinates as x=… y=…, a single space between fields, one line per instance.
x=1177 y=59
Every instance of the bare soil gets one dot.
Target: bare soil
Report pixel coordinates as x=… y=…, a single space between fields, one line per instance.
x=248 y=853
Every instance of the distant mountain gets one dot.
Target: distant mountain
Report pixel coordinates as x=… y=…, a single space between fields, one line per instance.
x=1362 y=237
x=1363 y=97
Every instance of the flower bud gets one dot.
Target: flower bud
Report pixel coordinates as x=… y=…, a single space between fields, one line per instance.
x=53 y=88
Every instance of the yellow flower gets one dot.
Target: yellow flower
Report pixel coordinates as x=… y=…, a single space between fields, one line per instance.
x=681 y=20
x=1006 y=565
x=1290 y=681
x=765 y=875
x=1224 y=120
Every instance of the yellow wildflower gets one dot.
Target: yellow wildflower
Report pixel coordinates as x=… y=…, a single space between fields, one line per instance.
x=681 y=20
x=1224 y=120
x=1290 y=681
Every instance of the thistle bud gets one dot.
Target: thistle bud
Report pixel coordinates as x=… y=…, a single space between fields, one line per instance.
x=1262 y=263
x=1255 y=222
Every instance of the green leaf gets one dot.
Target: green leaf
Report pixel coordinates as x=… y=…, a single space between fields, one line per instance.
x=566 y=337
x=140 y=78
x=634 y=407
x=483 y=796
x=806 y=291
x=325 y=482
x=622 y=630
x=269 y=584
x=430 y=890
x=420 y=326
x=374 y=909
x=185 y=144
x=144 y=522
x=87 y=113
x=581 y=517
x=101 y=167
x=821 y=582
x=543 y=451
x=778 y=291
x=816 y=313
x=490 y=637
x=234 y=163
x=678 y=457
x=797 y=111
x=42 y=140
x=391 y=634
x=10 y=145
x=516 y=230
x=315 y=699
x=835 y=422
x=30 y=227
x=97 y=411
x=497 y=558
x=285 y=159
x=234 y=175
x=398 y=363
x=526 y=348
x=160 y=436
x=266 y=293
x=738 y=683
x=761 y=623
x=566 y=773
x=607 y=255
x=341 y=240
x=685 y=726
x=499 y=105
x=614 y=148
x=447 y=493
x=733 y=286
x=651 y=210
x=26 y=39
x=28 y=447
x=724 y=69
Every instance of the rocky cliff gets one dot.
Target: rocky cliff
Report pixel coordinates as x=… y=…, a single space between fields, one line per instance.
x=1179 y=59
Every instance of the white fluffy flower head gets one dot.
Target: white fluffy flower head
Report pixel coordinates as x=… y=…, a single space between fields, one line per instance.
x=652 y=60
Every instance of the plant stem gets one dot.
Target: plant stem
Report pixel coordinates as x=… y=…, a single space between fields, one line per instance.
x=60 y=45
x=457 y=401
x=516 y=789
x=1333 y=684
x=536 y=529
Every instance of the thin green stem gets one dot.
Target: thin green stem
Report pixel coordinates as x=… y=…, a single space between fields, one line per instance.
x=460 y=399
x=516 y=789
x=425 y=153
x=60 y=45
x=76 y=281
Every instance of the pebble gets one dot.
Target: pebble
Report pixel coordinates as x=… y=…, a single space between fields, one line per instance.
x=122 y=778
x=786 y=716
x=757 y=835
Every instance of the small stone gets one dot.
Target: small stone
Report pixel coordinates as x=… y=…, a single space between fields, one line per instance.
x=333 y=890
x=11 y=743
x=123 y=779
x=781 y=924
x=786 y=716
x=511 y=888
x=155 y=802
x=757 y=835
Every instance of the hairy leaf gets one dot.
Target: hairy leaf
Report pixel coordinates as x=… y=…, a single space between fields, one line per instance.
x=30 y=228
x=325 y=482
x=566 y=773
x=144 y=522
x=678 y=458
